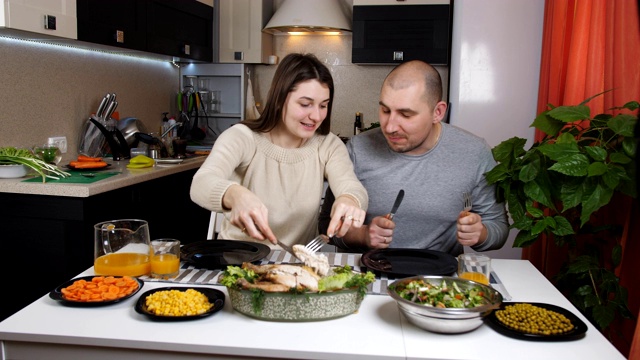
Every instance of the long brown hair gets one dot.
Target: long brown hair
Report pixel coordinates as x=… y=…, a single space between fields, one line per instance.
x=293 y=69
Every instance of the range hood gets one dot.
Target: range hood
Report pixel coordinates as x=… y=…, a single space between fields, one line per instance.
x=322 y=17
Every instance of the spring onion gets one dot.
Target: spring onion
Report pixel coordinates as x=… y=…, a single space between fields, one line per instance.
x=11 y=156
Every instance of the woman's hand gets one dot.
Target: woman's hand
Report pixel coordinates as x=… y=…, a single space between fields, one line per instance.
x=346 y=213
x=248 y=213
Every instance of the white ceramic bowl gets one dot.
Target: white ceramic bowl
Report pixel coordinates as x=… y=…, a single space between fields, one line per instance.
x=446 y=320
x=12 y=171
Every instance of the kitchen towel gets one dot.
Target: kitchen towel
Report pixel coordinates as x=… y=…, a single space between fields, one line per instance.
x=251 y=110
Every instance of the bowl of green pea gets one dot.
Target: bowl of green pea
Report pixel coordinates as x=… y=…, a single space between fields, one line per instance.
x=444 y=304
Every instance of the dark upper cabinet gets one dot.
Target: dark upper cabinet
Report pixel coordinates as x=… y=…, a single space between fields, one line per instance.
x=182 y=29
x=120 y=23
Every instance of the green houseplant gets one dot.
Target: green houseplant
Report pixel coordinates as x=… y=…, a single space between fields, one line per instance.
x=555 y=190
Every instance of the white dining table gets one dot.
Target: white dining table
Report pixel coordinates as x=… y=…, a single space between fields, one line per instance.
x=46 y=329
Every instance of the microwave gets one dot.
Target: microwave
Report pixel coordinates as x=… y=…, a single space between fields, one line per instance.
x=402 y=31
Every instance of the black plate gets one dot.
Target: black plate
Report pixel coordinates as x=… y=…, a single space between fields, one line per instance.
x=216 y=297
x=56 y=294
x=68 y=166
x=218 y=254
x=579 y=327
x=410 y=262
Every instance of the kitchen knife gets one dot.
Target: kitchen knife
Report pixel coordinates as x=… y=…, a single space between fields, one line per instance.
x=102 y=106
x=396 y=204
x=100 y=116
x=109 y=111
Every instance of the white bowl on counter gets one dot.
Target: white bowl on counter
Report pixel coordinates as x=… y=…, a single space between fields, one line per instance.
x=10 y=171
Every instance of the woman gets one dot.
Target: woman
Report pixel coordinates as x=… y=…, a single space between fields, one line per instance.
x=267 y=175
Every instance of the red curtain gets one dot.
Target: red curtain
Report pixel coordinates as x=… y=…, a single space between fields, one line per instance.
x=591 y=46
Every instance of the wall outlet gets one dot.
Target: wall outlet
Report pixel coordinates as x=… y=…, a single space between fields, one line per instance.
x=60 y=142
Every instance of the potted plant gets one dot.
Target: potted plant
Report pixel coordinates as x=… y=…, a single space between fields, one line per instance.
x=557 y=188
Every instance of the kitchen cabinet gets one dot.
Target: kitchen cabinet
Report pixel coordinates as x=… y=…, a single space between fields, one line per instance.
x=120 y=23
x=241 y=39
x=230 y=81
x=50 y=238
x=52 y=18
x=182 y=29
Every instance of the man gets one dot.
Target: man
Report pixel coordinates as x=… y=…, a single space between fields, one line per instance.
x=433 y=162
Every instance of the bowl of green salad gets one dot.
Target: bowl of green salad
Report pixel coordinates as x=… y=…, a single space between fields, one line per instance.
x=444 y=304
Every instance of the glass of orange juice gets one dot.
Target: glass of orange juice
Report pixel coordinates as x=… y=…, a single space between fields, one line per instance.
x=121 y=247
x=475 y=267
x=165 y=258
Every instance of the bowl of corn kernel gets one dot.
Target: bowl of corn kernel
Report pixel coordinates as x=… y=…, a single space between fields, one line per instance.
x=180 y=303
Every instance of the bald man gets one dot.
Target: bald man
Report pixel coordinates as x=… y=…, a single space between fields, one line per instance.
x=433 y=162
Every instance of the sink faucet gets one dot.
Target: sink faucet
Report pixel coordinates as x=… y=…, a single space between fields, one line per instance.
x=170 y=129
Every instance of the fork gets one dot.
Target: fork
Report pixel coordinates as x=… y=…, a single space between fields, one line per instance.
x=467 y=202
x=316 y=244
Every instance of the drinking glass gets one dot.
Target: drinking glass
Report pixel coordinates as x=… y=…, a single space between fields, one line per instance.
x=475 y=267
x=48 y=153
x=122 y=248
x=215 y=101
x=179 y=148
x=203 y=84
x=165 y=258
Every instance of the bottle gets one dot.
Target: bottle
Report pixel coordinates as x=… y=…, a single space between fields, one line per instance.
x=168 y=138
x=357 y=125
x=165 y=122
x=171 y=123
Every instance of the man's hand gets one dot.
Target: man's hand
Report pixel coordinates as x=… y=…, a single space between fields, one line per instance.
x=471 y=231
x=380 y=233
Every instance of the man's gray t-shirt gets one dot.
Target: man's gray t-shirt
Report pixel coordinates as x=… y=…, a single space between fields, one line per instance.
x=433 y=184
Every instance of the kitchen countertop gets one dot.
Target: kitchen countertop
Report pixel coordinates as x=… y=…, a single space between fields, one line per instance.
x=125 y=178
x=47 y=329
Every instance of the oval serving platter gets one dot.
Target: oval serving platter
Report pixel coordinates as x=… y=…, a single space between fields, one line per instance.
x=216 y=297
x=56 y=294
x=289 y=307
x=578 y=331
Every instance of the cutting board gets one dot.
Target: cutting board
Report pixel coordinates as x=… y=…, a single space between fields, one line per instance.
x=76 y=178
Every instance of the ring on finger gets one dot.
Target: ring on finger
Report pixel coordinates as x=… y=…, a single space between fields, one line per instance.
x=244 y=229
x=350 y=217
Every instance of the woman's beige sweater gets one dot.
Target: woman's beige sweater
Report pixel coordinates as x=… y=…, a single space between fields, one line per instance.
x=290 y=182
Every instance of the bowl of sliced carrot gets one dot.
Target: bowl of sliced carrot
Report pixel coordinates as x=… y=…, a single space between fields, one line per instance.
x=96 y=290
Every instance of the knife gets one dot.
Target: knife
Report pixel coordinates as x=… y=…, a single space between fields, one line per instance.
x=396 y=205
x=102 y=106
x=111 y=107
x=287 y=248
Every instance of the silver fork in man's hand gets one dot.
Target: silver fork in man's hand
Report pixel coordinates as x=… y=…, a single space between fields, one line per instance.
x=467 y=202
